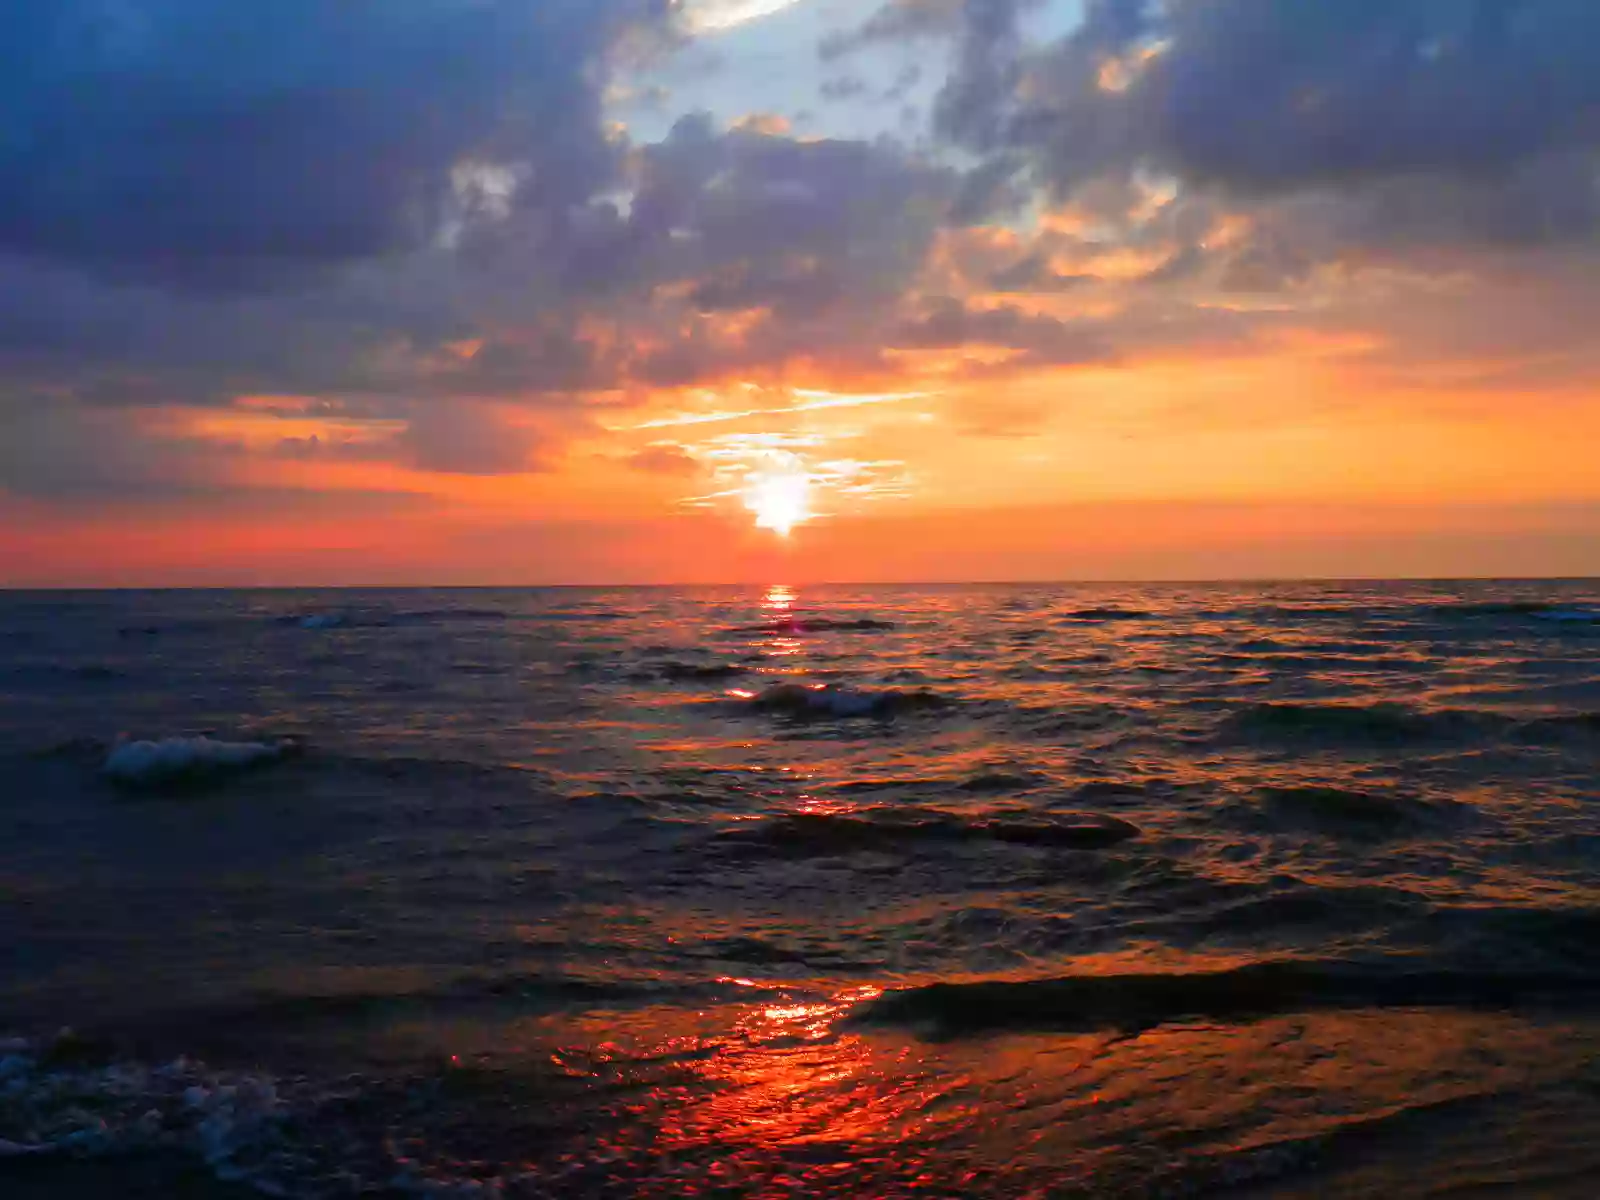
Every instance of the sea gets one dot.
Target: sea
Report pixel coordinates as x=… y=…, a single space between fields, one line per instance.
x=1266 y=890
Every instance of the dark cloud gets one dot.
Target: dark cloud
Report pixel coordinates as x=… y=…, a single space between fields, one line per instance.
x=1283 y=92
x=1470 y=106
x=948 y=323
x=756 y=204
x=808 y=246
x=895 y=21
x=972 y=105
x=414 y=212
x=1033 y=273
x=229 y=143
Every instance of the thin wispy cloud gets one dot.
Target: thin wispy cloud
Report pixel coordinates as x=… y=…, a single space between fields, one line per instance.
x=810 y=401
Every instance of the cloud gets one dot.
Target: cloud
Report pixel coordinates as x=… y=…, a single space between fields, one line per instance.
x=461 y=437
x=468 y=439
x=232 y=144
x=665 y=458
x=1033 y=273
x=415 y=213
x=415 y=216
x=67 y=452
x=948 y=323
x=1481 y=112
x=897 y=20
x=737 y=252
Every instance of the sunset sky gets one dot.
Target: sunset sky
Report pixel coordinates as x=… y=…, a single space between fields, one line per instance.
x=569 y=291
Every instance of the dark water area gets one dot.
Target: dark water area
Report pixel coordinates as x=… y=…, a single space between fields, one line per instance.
x=989 y=891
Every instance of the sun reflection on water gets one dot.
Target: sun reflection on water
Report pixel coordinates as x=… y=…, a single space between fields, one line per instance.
x=778 y=606
x=788 y=1075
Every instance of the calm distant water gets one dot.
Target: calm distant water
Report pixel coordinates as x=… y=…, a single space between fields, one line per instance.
x=959 y=891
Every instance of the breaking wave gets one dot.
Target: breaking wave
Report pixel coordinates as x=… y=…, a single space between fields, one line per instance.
x=820 y=702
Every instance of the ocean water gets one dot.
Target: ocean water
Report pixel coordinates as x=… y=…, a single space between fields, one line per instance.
x=989 y=891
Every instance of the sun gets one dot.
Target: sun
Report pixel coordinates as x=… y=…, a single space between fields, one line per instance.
x=780 y=499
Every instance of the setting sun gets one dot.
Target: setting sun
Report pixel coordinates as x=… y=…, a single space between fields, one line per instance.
x=780 y=499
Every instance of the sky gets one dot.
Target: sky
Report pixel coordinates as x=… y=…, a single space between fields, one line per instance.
x=654 y=291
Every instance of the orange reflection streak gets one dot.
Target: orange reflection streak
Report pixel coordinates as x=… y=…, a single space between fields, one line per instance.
x=820 y=806
x=781 y=647
x=778 y=607
x=787 y=1076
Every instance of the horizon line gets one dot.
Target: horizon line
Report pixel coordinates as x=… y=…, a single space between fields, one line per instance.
x=1167 y=581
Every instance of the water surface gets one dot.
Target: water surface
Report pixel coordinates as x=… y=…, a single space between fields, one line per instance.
x=978 y=891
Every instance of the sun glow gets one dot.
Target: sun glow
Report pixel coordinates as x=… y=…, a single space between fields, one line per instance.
x=780 y=498
x=713 y=16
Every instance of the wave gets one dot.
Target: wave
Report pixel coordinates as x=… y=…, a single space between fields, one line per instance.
x=1142 y=1001
x=576 y=614
x=1289 y=907
x=194 y=625
x=1393 y=726
x=1109 y=791
x=526 y=991
x=817 y=835
x=797 y=626
x=353 y=619
x=1002 y=781
x=75 y=1105
x=1540 y=609
x=47 y=673
x=1560 y=727
x=1354 y=813
x=1379 y=724
x=1108 y=614
x=820 y=702
x=434 y=1134
x=181 y=762
x=683 y=672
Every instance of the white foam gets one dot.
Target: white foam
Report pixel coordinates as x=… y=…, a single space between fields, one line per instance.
x=274 y=1136
x=178 y=758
